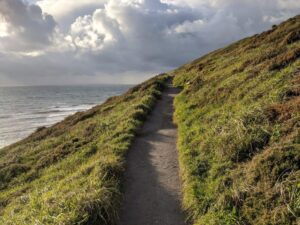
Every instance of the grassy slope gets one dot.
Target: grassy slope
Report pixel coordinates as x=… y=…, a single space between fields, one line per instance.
x=70 y=173
x=239 y=119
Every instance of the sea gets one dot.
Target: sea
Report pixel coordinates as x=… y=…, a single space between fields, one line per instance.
x=24 y=109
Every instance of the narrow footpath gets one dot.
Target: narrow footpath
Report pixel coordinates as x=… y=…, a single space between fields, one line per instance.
x=152 y=185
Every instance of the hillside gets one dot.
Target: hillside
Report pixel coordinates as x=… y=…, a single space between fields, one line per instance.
x=239 y=140
x=238 y=118
x=70 y=173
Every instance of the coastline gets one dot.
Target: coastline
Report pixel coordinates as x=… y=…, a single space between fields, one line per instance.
x=25 y=109
x=51 y=118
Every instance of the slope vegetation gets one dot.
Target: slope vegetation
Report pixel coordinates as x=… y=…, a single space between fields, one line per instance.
x=238 y=116
x=239 y=123
x=70 y=173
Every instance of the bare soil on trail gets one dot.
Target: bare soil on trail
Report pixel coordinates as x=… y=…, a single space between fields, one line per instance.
x=151 y=184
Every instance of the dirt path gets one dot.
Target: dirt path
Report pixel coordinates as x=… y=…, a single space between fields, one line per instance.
x=152 y=185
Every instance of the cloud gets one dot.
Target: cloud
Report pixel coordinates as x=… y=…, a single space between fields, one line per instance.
x=133 y=34
x=94 y=31
x=144 y=34
x=117 y=39
x=66 y=11
x=24 y=27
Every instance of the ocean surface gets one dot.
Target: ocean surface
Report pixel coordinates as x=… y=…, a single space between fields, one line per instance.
x=24 y=109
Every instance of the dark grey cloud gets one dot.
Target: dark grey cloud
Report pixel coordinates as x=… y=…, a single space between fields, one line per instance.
x=28 y=28
x=122 y=37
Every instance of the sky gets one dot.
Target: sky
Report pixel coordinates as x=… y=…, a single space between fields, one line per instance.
x=58 y=42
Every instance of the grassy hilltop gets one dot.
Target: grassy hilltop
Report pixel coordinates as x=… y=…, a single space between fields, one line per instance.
x=239 y=131
x=238 y=117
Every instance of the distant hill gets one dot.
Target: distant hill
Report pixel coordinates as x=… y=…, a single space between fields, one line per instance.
x=239 y=131
x=238 y=117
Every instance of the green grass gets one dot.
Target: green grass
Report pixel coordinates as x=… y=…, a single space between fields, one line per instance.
x=239 y=139
x=238 y=118
x=70 y=173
